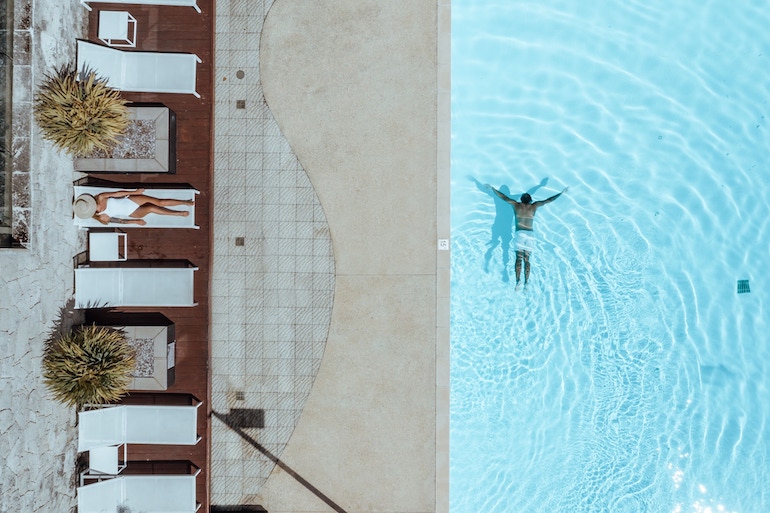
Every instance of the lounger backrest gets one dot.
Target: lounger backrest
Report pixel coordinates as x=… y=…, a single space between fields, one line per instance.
x=108 y=63
x=102 y=427
x=152 y=72
x=97 y=288
x=105 y=495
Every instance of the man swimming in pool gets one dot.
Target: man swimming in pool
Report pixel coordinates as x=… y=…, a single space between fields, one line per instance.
x=126 y=207
x=524 y=240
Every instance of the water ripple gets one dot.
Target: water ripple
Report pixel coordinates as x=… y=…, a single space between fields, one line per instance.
x=629 y=375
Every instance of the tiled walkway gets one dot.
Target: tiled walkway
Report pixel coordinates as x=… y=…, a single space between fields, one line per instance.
x=273 y=273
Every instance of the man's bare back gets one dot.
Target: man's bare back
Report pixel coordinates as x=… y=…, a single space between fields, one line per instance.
x=525 y=209
x=525 y=214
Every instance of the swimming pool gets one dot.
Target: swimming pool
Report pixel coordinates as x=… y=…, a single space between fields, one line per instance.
x=629 y=375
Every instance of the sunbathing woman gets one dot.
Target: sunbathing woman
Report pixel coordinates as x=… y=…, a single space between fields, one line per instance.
x=126 y=207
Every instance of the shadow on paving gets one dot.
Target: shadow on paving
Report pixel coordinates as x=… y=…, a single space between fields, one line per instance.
x=238 y=420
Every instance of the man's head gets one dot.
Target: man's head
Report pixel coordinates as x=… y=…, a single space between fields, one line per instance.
x=526 y=198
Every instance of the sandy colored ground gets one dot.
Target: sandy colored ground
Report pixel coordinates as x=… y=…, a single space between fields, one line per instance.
x=352 y=85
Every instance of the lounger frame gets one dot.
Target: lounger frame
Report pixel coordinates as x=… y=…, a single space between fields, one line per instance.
x=142 y=283
x=153 y=220
x=142 y=72
x=181 y=3
x=141 y=493
x=138 y=424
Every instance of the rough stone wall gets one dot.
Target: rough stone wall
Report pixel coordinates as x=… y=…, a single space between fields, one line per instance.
x=38 y=435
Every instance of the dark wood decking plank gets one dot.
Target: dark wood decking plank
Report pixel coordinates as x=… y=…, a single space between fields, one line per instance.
x=182 y=29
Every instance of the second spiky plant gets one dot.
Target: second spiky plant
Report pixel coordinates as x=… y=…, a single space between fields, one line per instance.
x=89 y=365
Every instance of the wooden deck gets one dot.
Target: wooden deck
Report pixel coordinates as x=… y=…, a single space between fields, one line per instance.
x=181 y=29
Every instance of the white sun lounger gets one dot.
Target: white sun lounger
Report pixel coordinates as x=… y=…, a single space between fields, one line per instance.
x=104 y=287
x=153 y=220
x=140 y=493
x=144 y=72
x=138 y=424
x=184 y=3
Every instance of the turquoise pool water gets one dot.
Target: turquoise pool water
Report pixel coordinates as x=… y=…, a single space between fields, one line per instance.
x=630 y=375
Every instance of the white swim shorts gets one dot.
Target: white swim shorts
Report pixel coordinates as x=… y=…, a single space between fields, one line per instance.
x=525 y=240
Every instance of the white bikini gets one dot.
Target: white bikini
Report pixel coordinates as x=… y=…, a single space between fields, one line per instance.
x=121 y=208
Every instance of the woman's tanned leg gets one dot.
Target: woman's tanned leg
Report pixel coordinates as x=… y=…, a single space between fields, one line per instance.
x=150 y=208
x=141 y=199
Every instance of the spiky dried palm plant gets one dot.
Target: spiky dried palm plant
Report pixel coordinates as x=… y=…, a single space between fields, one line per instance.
x=79 y=116
x=89 y=365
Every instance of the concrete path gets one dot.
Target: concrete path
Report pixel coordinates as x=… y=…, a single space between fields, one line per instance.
x=353 y=86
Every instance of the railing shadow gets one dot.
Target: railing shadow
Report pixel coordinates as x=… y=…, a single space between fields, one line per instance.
x=231 y=421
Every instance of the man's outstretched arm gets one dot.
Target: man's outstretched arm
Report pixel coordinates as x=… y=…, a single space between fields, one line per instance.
x=548 y=200
x=482 y=187
x=500 y=194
